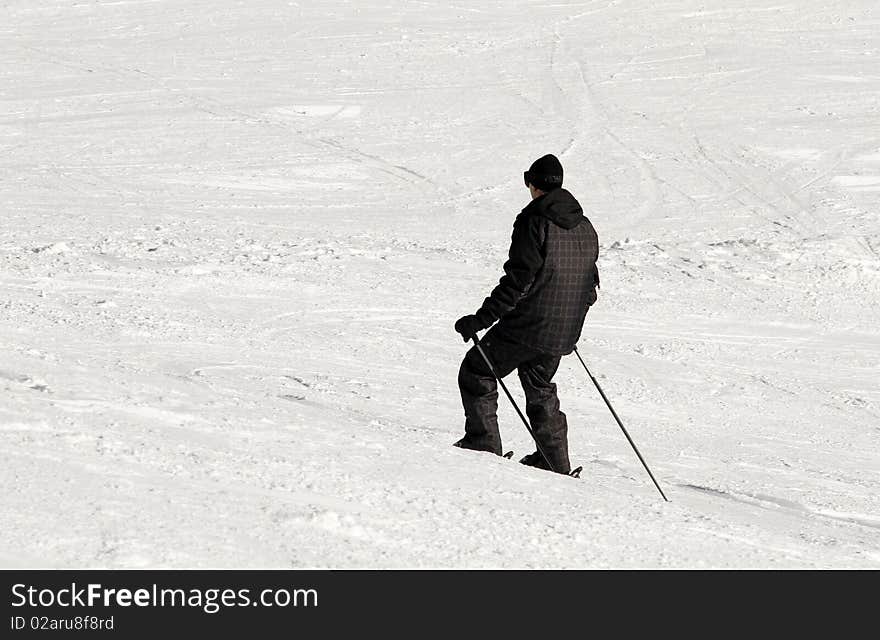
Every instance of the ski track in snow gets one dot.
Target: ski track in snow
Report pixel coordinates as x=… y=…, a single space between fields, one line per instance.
x=235 y=239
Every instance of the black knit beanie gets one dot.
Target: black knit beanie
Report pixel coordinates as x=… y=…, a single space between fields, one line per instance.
x=545 y=173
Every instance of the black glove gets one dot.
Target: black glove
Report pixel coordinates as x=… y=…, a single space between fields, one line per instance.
x=468 y=326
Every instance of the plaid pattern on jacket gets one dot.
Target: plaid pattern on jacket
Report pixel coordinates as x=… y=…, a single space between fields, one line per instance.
x=550 y=277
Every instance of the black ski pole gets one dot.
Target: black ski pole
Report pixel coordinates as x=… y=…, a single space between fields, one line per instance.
x=614 y=413
x=510 y=397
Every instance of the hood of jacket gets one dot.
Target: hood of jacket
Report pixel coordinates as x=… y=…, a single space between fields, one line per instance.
x=559 y=206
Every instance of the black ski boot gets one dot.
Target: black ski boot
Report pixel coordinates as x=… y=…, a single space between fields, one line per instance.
x=535 y=460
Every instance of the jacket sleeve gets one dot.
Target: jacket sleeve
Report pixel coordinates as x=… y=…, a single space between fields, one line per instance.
x=525 y=259
x=594 y=294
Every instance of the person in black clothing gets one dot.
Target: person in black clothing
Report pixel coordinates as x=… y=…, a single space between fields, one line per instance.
x=539 y=305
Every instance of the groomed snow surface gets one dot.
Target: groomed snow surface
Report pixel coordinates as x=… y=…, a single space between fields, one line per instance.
x=234 y=237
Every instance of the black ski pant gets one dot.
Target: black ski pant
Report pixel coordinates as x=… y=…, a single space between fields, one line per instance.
x=479 y=396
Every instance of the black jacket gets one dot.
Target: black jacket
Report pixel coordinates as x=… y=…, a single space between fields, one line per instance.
x=550 y=278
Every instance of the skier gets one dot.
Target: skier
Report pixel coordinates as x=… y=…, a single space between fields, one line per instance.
x=540 y=303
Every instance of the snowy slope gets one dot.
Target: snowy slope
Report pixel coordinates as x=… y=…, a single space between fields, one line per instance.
x=234 y=237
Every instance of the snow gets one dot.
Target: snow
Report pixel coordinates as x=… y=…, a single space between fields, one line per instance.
x=235 y=237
